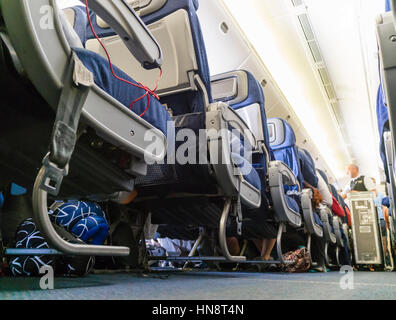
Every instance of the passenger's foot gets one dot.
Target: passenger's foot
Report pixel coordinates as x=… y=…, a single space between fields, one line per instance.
x=265 y=266
x=318 y=269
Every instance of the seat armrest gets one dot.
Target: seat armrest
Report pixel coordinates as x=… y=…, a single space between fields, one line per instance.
x=337 y=231
x=309 y=221
x=280 y=174
x=346 y=231
x=120 y=16
x=328 y=235
x=219 y=117
x=287 y=175
x=233 y=119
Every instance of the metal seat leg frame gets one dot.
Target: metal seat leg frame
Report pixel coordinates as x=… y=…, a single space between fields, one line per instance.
x=55 y=165
x=281 y=228
x=337 y=252
x=309 y=242
x=223 y=236
x=194 y=249
x=326 y=252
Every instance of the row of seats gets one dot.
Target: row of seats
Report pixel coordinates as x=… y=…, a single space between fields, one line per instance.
x=251 y=182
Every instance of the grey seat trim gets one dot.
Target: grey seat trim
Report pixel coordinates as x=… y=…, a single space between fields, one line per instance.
x=337 y=231
x=309 y=222
x=218 y=118
x=280 y=174
x=328 y=235
x=239 y=82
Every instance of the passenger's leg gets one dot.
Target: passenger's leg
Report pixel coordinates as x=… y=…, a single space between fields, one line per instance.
x=233 y=246
x=344 y=252
x=265 y=246
x=383 y=234
x=317 y=250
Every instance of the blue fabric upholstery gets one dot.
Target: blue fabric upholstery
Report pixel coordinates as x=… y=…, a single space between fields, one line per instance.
x=323 y=175
x=317 y=219
x=188 y=102
x=200 y=51
x=80 y=23
x=157 y=115
x=341 y=201
x=247 y=170
x=292 y=203
x=255 y=95
x=387 y=5
x=286 y=150
x=333 y=191
x=386 y=202
x=383 y=126
x=308 y=167
x=86 y=220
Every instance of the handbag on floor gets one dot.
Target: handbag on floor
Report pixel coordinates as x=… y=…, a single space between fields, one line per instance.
x=302 y=261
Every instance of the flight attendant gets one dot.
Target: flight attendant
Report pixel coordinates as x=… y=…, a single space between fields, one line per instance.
x=358 y=183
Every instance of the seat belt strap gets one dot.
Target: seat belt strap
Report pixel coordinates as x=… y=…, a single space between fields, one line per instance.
x=78 y=80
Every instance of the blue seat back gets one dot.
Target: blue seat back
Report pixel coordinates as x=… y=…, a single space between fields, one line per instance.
x=190 y=101
x=283 y=145
x=383 y=126
x=334 y=192
x=308 y=167
x=247 y=98
x=81 y=22
x=255 y=95
x=387 y=5
x=323 y=175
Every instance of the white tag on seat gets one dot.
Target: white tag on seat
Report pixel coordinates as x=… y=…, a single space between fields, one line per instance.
x=81 y=75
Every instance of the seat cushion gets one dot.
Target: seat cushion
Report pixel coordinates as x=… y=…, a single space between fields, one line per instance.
x=247 y=170
x=156 y=115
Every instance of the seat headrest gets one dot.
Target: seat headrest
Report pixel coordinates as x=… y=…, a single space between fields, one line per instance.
x=334 y=192
x=306 y=152
x=238 y=88
x=323 y=175
x=281 y=134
